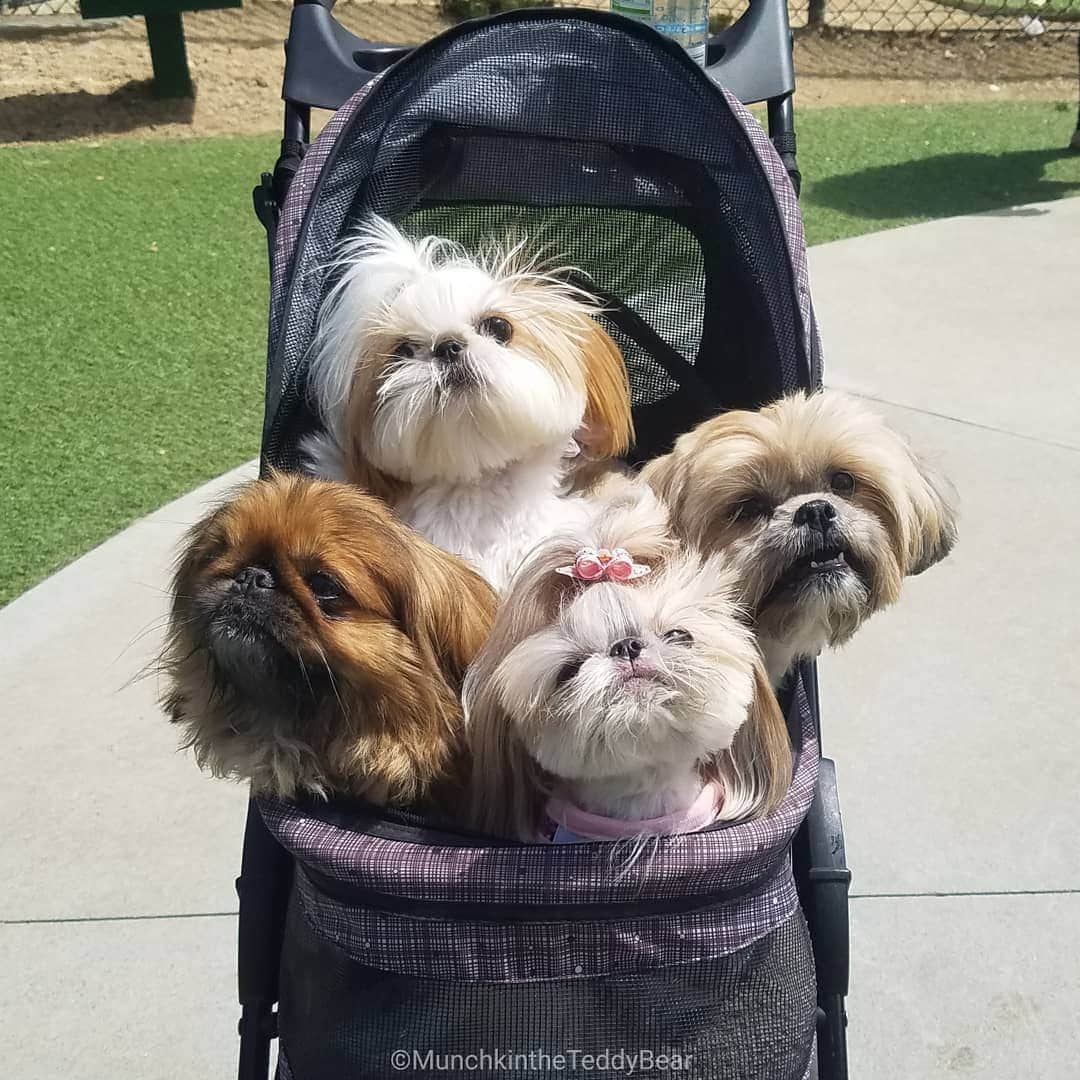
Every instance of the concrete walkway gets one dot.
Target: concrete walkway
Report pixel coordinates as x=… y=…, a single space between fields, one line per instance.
x=118 y=942
x=952 y=719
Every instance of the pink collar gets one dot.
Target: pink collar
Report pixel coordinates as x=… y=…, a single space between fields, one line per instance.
x=581 y=823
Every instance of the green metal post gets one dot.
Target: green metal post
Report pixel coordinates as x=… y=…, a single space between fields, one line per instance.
x=168 y=54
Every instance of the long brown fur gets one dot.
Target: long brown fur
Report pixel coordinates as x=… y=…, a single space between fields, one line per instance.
x=608 y=428
x=371 y=707
x=762 y=748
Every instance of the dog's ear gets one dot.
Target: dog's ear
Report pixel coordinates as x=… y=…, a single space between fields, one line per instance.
x=445 y=611
x=932 y=527
x=506 y=786
x=448 y=610
x=756 y=771
x=668 y=476
x=360 y=471
x=608 y=426
x=768 y=735
x=661 y=474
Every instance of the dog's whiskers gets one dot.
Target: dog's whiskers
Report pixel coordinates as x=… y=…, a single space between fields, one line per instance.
x=330 y=675
x=304 y=670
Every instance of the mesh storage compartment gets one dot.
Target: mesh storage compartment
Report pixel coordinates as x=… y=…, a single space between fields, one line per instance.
x=746 y=1016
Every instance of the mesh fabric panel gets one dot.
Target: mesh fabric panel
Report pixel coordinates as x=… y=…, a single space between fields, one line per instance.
x=745 y=1016
x=574 y=114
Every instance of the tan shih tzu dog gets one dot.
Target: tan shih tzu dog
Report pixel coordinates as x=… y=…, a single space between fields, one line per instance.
x=464 y=391
x=318 y=645
x=821 y=508
x=620 y=696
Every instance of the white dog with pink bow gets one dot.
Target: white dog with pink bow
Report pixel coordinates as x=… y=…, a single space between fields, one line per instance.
x=620 y=695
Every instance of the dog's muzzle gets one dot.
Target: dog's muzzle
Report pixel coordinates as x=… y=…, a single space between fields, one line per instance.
x=824 y=552
x=455 y=370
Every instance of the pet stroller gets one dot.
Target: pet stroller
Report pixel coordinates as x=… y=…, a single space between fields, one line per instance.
x=392 y=946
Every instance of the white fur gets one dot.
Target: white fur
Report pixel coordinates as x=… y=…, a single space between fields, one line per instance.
x=495 y=524
x=625 y=746
x=480 y=460
x=377 y=262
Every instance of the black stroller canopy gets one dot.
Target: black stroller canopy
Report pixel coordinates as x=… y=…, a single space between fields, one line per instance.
x=609 y=149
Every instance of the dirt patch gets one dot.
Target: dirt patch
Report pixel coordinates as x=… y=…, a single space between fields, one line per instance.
x=861 y=68
x=88 y=82
x=940 y=58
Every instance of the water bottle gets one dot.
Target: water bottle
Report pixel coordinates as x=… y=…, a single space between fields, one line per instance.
x=684 y=21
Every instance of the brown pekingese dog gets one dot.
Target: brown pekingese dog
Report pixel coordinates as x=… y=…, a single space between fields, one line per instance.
x=821 y=507
x=317 y=645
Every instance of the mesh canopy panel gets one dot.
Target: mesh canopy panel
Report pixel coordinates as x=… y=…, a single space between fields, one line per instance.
x=605 y=145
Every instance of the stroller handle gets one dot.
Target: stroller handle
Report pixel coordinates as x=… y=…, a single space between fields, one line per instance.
x=325 y=64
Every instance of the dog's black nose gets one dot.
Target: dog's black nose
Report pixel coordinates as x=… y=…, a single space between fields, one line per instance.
x=630 y=648
x=449 y=349
x=254 y=578
x=817 y=513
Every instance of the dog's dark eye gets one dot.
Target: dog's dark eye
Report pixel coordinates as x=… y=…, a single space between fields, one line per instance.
x=497 y=328
x=404 y=350
x=679 y=636
x=843 y=483
x=752 y=508
x=212 y=548
x=327 y=592
x=568 y=671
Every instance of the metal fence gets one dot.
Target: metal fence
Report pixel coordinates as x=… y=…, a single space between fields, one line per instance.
x=30 y=8
x=1031 y=17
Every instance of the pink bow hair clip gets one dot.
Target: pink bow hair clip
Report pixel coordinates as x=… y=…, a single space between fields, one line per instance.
x=603 y=564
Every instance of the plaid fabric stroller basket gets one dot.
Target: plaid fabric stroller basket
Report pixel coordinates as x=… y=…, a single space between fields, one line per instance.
x=397 y=948
x=413 y=953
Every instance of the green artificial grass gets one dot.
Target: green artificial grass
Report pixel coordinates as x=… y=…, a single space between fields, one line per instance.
x=877 y=167
x=1048 y=11
x=133 y=295
x=132 y=323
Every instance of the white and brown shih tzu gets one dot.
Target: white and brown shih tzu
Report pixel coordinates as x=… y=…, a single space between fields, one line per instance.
x=460 y=388
x=821 y=508
x=317 y=646
x=620 y=696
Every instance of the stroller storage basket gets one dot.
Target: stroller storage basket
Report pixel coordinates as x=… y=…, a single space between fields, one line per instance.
x=696 y=949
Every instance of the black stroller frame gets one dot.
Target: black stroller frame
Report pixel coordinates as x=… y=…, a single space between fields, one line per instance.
x=325 y=65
